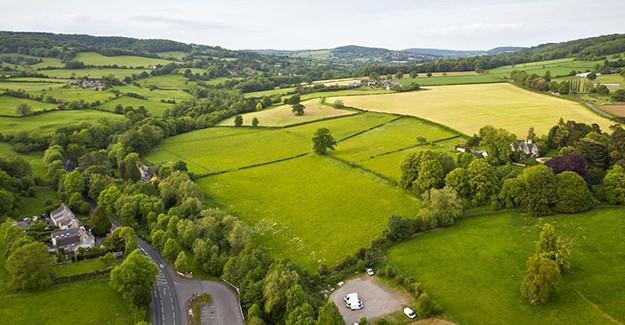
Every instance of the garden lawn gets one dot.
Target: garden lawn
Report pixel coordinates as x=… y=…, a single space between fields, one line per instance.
x=224 y=148
x=70 y=269
x=474 y=269
x=311 y=209
x=467 y=108
x=400 y=133
x=423 y=80
x=79 y=302
x=282 y=115
x=47 y=123
x=91 y=73
x=97 y=59
x=35 y=206
x=9 y=104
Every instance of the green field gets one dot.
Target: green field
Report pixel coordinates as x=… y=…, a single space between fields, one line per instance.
x=310 y=209
x=35 y=206
x=96 y=59
x=282 y=115
x=28 y=86
x=219 y=80
x=474 y=268
x=77 y=94
x=223 y=148
x=91 y=73
x=557 y=68
x=271 y=92
x=178 y=55
x=347 y=92
x=34 y=158
x=450 y=80
x=388 y=165
x=77 y=268
x=89 y=302
x=170 y=81
x=153 y=106
x=467 y=108
x=47 y=123
x=9 y=104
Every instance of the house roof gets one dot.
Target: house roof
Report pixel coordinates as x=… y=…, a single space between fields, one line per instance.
x=62 y=216
x=66 y=237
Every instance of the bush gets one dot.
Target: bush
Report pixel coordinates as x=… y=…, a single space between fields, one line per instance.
x=425 y=307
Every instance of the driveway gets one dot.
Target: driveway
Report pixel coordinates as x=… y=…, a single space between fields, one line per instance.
x=378 y=299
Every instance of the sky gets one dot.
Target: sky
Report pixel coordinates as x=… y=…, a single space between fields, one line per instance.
x=314 y=24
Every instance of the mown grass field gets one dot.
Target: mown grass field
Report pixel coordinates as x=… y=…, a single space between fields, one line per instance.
x=282 y=115
x=450 y=80
x=9 y=104
x=47 y=123
x=271 y=92
x=467 y=108
x=96 y=59
x=474 y=268
x=347 y=92
x=310 y=209
x=224 y=148
x=76 y=268
x=89 y=302
x=557 y=68
x=91 y=73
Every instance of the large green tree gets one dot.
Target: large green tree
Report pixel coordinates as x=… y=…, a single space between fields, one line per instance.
x=497 y=143
x=614 y=185
x=483 y=182
x=134 y=279
x=278 y=280
x=329 y=315
x=100 y=224
x=323 y=141
x=539 y=195
x=540 y=279
x=572 y=193
x=29 y=267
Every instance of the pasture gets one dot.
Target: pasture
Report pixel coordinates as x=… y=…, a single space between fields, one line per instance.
x=282 y=115
x=9 y=104
x=155 y=107
x=35 y=159
x=270 y=92
x=91 y=73
x=346 y=92
x=76 y=94
x=28 y=86
x=292 y=204
x=97 y=59
x=450 y=80
x=474 y=268
x=47 y=123
x=225 y=148
x=467 y=108
x=170 y=81
x=557 y=68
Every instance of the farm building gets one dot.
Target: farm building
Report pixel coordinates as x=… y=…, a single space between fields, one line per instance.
x=526 y=147
x=73 y=234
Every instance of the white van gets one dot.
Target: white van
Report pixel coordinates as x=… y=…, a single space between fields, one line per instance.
x=353 y=302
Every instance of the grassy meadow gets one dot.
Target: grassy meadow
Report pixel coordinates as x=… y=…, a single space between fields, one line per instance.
x=47 y=123
x=90 y=73
x=271 y=92
x=28 y=86
x=170 y=81
x=467 y=108
x=77 y=94
x=292 y=204
x=223 y=148
x=9 y=104
x=96 y=59
x=423 y=80
x=34 y=158
x=282 y=115
x=474 y=268
x=557 y=68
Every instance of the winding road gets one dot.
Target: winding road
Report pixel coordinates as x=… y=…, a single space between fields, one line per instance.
x=171 y=293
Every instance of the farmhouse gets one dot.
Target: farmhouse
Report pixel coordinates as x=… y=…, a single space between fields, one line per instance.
x=585 y=74
x=72 y=235
x=95 y=84
x=146 y=173
x=372 y=83
x=526 y=147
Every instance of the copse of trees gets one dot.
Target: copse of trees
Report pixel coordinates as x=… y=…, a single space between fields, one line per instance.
x=134 y=279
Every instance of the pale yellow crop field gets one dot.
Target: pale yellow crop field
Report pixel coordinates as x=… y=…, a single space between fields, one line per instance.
x=282 y=115
x=467 y=108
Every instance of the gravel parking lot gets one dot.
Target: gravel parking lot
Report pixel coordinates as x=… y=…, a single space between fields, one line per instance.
x=377 y=297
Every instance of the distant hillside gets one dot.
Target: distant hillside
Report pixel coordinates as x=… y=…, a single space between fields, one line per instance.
x=462 y=53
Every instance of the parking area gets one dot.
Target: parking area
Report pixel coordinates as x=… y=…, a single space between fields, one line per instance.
x=378 y=299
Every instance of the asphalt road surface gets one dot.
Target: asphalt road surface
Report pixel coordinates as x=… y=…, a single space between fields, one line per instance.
x=171 y=293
